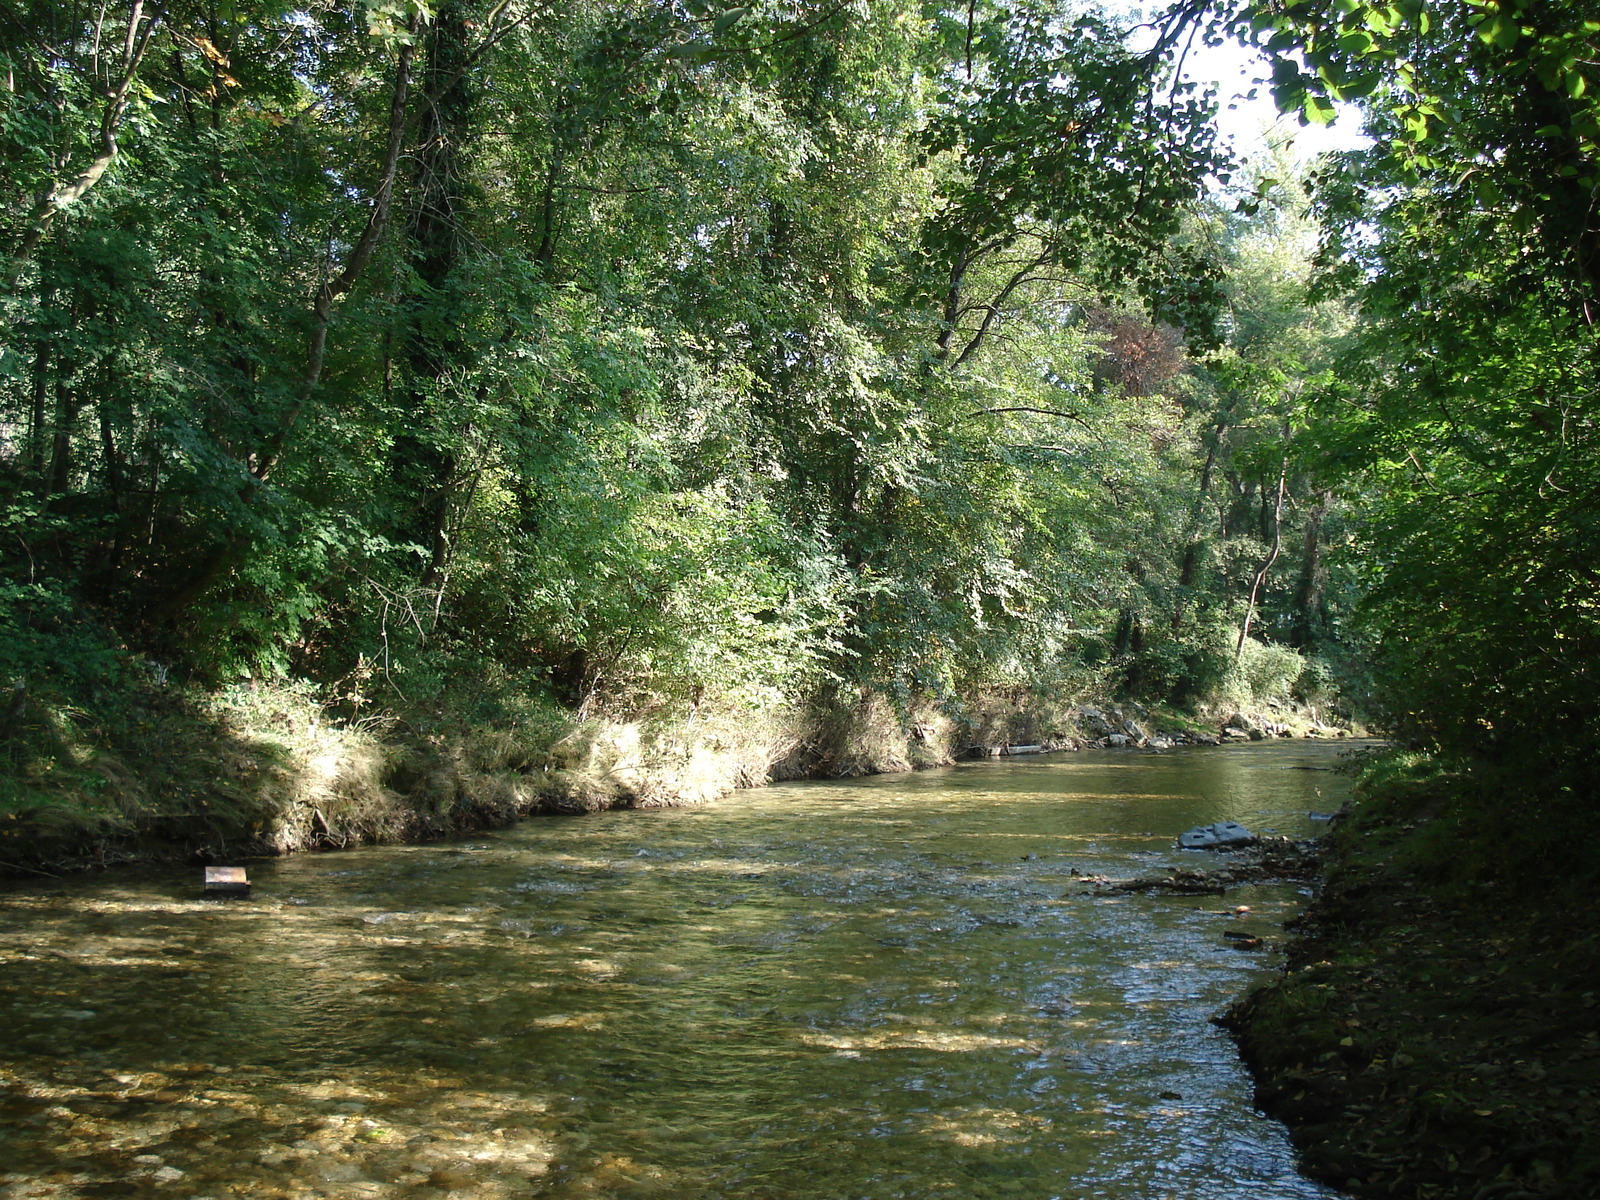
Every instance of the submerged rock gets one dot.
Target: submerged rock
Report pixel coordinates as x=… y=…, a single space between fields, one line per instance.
x=1266 y=859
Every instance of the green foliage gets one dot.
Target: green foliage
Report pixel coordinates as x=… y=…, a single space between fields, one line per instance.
x=467 y=358
x=1467 y=419
x=1262 y=672
x=1498 y=109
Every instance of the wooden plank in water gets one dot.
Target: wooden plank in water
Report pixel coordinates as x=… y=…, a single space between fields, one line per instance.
x=227 y=881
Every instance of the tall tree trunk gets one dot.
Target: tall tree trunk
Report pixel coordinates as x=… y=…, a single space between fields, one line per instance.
x=1272 y=557
x=1310 y=618
x=39 y=403
x=116 y=490
x=1189 y=566
x=68 y=405
x=435 y=352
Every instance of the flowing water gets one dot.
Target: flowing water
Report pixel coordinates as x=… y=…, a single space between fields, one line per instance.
x=888 y=988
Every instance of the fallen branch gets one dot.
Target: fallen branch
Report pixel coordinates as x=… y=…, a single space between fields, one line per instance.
x=1271 y=859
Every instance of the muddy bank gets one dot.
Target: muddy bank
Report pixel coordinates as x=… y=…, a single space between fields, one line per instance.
x=1428 y=1041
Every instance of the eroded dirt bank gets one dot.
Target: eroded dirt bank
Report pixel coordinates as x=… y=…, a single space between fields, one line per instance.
x=268 y=773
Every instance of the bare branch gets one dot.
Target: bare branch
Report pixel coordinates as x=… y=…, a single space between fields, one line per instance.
x=1017 y=280
x=1024 y=408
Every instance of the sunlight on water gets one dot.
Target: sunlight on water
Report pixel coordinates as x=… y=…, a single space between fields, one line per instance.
x=888 y=988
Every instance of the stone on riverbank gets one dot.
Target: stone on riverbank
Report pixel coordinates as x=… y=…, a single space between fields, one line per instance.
x=1222 y=835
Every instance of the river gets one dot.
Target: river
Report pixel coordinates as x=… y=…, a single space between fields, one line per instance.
x=886 y=988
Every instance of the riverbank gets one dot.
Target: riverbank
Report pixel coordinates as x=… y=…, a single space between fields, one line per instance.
x=173 y=772
x=1436 y=1032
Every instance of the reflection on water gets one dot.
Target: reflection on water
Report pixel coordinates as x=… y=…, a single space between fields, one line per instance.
x=881 y=989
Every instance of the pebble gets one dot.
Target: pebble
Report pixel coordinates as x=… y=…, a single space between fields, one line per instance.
x=339 y=1172
x=451 y=1179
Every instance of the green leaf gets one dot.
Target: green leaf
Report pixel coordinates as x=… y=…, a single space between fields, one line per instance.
x=693 y=52
x=1500 y=31
x=1487 y=191
x=1319 y=110
x=1360 y=85
x=729 y=19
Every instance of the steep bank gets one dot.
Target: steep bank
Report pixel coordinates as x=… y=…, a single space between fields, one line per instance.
x=175 y=772
x=1436 y=1032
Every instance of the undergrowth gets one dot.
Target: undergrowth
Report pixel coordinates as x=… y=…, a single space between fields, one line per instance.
x=1435 y=1034
x=161 y=768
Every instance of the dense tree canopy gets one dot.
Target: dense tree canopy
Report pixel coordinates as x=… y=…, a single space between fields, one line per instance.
x=626 y=350
x=586 y=341
x=1469 y=230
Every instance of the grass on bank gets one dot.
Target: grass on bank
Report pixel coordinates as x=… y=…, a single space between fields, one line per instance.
x=115 y=761
x=1437 y=1034
x=161 y=769
x=166 y=770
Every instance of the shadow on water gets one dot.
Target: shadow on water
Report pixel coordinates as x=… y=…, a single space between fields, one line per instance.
x=889 y=988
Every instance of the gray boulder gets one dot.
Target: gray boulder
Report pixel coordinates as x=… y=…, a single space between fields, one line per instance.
x=1223 y=835
x=1239 y=727
x=1094 y=722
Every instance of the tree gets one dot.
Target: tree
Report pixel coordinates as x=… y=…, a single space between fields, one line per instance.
x=1469 y=231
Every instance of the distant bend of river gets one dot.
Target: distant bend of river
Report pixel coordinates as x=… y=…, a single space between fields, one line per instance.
x=886 y=988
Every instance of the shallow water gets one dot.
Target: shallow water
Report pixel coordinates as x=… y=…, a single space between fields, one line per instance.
x=887 y=988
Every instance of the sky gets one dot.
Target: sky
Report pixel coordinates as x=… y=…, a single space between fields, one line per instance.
x=1236 y=70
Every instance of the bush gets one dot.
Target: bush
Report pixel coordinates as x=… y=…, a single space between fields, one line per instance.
x=1262 y=672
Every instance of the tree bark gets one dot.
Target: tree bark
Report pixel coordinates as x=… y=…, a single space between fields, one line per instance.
x=1310 y=618
x=1261 y=575
x=1190 y=564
